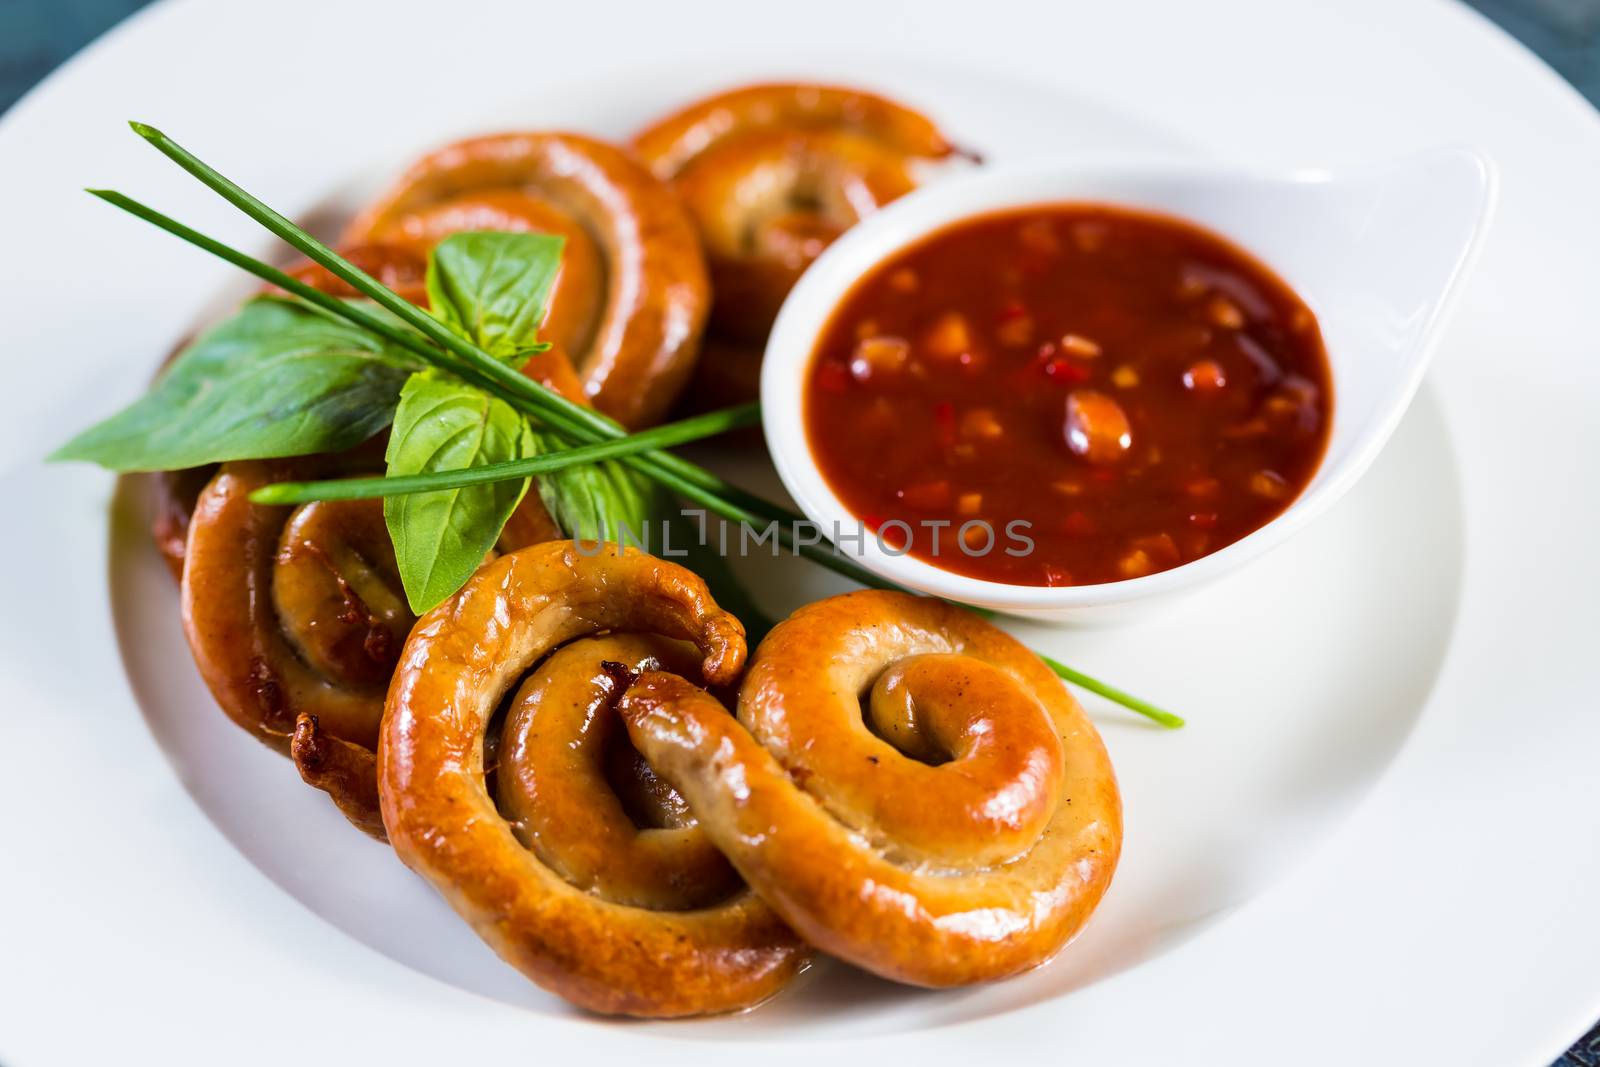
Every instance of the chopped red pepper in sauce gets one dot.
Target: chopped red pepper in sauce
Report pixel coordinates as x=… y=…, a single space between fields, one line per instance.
x=1111 y=393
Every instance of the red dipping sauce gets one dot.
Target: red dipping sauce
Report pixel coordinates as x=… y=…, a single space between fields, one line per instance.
x=1068 y=394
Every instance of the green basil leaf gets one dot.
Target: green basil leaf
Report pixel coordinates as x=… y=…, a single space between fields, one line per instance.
x=440 y=538
x=279 y=378
x=492 y=288
x=599 y=501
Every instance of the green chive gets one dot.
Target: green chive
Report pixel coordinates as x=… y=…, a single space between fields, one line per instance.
x=673 y=433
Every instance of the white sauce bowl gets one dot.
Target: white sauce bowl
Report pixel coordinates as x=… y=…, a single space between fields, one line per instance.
x=1378 y=254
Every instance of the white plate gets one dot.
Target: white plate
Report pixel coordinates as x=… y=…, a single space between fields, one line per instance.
x=1376 y=841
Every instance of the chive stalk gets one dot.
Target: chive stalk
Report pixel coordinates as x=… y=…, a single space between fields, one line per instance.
x=665 y=436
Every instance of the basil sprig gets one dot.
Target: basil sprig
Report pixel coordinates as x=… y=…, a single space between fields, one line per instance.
x=279 y=378
x=284 y=378
x=605 y=501
x=492 y=289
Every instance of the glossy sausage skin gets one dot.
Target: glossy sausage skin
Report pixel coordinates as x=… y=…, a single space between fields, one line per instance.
x=401 y=268
x=631 y=301
x=296 y=616
x=672 y=143
x=771 y=175
x=714 y=955
x=346 y=771
x=332 y=655
x=577 y=793
x=173 y=497
x=966 y=834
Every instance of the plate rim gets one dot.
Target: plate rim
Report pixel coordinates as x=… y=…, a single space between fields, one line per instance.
x=126 y=34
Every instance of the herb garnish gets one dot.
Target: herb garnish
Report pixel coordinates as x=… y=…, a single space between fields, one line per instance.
x=469 y=344
x=279 y=378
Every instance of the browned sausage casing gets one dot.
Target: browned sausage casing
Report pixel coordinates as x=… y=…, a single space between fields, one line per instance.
x=771 y=175
x=964 y=830
x=296 y=616
x=630 y=302
x=401 y=268
x=617 y=910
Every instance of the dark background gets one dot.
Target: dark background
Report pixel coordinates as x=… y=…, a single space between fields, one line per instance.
x=37 y=35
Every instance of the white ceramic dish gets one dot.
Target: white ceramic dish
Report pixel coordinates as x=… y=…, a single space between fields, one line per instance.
x=1375 y=842
x=1378 y=253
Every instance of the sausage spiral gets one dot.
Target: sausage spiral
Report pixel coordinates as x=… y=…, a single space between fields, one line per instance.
x=631 y=299
x=571 y=890
x=771 y=175
x=577 y=793
x=296 y=617
x=965 y=835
